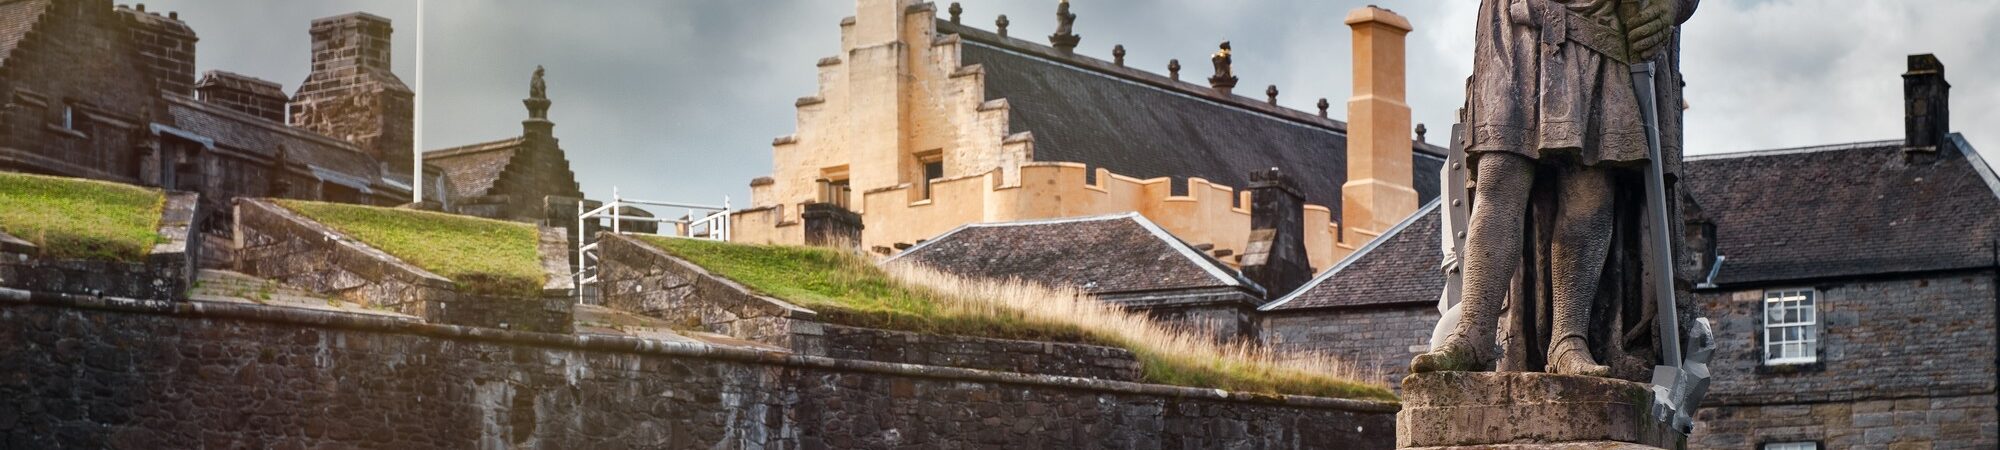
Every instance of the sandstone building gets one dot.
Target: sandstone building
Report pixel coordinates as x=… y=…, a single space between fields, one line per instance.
x=923 y=124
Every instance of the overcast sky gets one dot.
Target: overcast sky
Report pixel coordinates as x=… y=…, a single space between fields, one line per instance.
x=678 y=100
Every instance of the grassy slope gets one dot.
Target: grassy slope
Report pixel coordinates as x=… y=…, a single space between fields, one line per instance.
x=483 y=255
x=76 y=218
x=850 y=290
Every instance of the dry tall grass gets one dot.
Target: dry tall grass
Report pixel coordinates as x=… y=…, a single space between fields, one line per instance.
x=1170 y=354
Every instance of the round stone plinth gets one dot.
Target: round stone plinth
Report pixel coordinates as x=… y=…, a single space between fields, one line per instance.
x=1528 y=410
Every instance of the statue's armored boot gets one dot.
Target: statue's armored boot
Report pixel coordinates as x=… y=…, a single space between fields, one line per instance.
x=1460 y=350
x=1571 y=357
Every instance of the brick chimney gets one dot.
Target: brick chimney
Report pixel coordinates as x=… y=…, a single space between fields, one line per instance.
x=243 y=93
x=352 y=95
x=1926 y=105
x=166 y=45
x=1378 y=193
x=1276 y=256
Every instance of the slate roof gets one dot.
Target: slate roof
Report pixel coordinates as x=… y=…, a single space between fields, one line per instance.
x=1780 y=215
x=17 y=18
x=472 y=169
x=241 y=82
x=1099 y=255
x=245 y=133
x=1846 y=210
x=1399 y=268
x=1144 y=125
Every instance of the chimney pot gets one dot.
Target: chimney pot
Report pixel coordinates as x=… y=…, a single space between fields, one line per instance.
x=1926 y=105
x=141 y=7
x=176 y=15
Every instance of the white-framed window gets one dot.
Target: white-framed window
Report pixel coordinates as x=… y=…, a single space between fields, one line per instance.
x=1791 y=328
x=1792 y=446
x=69 y=117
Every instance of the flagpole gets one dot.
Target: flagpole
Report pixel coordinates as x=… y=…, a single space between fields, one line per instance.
x=417 y=153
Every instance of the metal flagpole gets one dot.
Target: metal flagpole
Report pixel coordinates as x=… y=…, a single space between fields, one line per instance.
x=417 y=150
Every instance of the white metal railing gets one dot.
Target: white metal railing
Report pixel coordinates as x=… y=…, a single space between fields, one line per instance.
x=701 y=222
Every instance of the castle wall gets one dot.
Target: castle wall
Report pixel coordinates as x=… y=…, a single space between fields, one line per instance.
x=80 y=67
x=1906 y=361
x=239 y=375
x=1377 y=339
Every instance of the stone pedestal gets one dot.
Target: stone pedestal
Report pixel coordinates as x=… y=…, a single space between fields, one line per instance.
x=1517 y=410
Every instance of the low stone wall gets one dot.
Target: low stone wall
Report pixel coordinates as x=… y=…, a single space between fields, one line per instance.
x=1941 y=422
x=1046 y=358
x=164 y=274
x=204 y=375
x=637 y=277
x=276 y=243
x=1380 y=339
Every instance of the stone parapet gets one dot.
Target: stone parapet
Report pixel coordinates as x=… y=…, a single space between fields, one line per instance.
x=637 y=277
x=1036 y=357
x=1532 y=410
x=164 y=273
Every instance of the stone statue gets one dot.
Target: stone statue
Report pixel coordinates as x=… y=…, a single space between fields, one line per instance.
x=1064 y=39
x=1556 y=144
x=1222 y=62
x=536 y=87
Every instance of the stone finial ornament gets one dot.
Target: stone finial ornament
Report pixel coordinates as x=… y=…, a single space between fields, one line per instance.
x=1001 y=25
x=1225 y=77
x=537 y=88
x=1420 y=132
x=1272 y=93
x=955 y=10
x=1118 y=54
x=1174 y=69
x=538 y=96
x=1323 y=105
x=1065 y=39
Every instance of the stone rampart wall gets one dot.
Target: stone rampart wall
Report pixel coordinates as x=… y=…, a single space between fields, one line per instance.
x=1036 y=357
x=637 y=277
x=164 y=273
x=1376 y=339
x=203 y=375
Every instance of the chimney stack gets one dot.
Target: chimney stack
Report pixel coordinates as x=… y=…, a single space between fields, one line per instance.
x=166 y=46
x=351 y=94
x=242 y=93
x=1926 y=105
x=1379 y=191
x=1276 y=255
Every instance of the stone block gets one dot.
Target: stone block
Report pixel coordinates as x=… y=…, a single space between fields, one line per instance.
x=1487 y=408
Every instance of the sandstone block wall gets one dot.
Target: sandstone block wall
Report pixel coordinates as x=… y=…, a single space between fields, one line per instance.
x=1036 y=357
x=237 y=376
x=1381 y=339
x=635 y=276
x=1903 y=363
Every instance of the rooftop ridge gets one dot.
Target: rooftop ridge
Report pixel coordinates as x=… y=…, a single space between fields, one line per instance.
x=478 y=147
x=1892 y=143
x=260 y=122
x=1351 y=258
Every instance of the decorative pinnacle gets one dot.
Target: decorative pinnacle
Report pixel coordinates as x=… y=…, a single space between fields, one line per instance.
x=1225 y=77
x=1174 y=69
x=1118 y=54
x=1420 y=132
x=1322 y=107
x=1002 y=24
x=1065 y=39
x=955 y=10
x=1272 y=93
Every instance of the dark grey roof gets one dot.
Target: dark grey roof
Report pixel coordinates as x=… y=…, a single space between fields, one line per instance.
x=1399 y=268
x=1099 y=255
x=1145 y=125
x=1847 y=210
x=473 y=169
x=258 y=136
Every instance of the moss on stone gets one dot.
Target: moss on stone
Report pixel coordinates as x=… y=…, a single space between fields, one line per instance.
x=484 y=256
x=73 y=218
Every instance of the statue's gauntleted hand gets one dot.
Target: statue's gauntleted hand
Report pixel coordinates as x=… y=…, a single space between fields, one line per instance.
x=1648 y=31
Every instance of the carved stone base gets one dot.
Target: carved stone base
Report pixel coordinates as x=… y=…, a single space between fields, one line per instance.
x=1516 y=410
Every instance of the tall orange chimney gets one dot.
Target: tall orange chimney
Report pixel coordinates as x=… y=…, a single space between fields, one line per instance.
x=1378 y=192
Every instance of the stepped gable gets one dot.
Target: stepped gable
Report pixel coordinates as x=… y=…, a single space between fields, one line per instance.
x=1144 y=125
x=1846 y=210
x=473 y=169
x=1098 y=255
x=1399 y=268
x=327 y=159
x=17 y=19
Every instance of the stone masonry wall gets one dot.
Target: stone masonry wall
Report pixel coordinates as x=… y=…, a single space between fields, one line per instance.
x=1036 y=357
x=1902 y=363
x=165 y=273
x=635 y=276
x=1373 y=339
x=249 y=376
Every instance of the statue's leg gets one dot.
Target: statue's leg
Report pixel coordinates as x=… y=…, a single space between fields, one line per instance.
x=1582 y=240
x=1492 y=253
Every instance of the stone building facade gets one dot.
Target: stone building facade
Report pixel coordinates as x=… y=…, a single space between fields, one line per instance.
x=923 y=123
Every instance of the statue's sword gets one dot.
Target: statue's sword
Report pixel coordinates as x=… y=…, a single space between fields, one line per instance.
x=1672 y=384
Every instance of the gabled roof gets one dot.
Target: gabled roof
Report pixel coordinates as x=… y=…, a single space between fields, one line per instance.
x=1098 y=255
x=258 y=136
x=473 y=169
x=1847 y=210
x=17 y=18
x=1400 y=267
x=1144 y=125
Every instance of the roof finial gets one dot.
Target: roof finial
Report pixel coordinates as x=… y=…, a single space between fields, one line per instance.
x=538 y=96
x=1064 y=40
x=1322 y=107
x=1420 y=132
x=1174 y=69
x=1001 y=25
x=1225 y=77
x=955 y=10
x=1272 y=92
x=1118 y=54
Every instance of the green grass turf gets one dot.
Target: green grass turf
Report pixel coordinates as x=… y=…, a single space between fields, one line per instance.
x=81 y=219
x=483 y=256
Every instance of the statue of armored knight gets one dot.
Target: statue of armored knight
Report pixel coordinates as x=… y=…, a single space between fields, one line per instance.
x=1559 y=153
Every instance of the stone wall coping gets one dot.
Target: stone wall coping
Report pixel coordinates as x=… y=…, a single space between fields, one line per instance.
x=553 y=249
x=792 y=311
x=624 y=344
x=348 y=244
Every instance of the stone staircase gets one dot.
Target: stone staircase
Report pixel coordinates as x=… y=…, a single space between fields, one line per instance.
x=222 y=286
